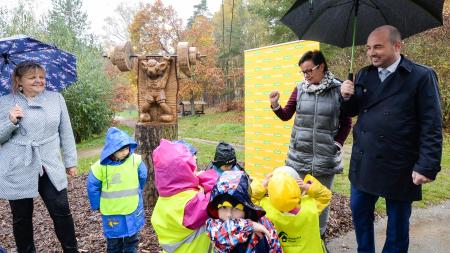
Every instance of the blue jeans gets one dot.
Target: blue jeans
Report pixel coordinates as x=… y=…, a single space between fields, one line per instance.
x=123 y=245
x=397 y=232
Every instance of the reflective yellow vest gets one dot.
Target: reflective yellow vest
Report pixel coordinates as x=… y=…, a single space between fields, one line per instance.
x=167 y=220
x=120 y=186
x=298 y=233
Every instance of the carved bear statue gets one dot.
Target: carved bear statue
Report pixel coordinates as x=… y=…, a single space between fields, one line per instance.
x=158 y=75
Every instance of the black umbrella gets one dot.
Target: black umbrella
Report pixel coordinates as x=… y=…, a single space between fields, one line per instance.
x=346 y=23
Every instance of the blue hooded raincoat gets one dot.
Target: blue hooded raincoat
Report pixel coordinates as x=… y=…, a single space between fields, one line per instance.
x=118 y=226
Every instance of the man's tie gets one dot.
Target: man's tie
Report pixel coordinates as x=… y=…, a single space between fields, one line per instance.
x=383 y=74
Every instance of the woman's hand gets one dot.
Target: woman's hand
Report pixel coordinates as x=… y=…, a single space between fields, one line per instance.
x=273 y=97
x=15 y=114
x=72 y=171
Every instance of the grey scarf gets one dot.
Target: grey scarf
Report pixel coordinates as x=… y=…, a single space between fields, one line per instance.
x=326 y=82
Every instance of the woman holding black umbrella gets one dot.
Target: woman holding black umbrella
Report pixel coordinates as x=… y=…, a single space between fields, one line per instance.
x=34 y=129
x=319 y=129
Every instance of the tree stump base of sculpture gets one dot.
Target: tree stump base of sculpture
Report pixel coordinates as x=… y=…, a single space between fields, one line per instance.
x=148 y=136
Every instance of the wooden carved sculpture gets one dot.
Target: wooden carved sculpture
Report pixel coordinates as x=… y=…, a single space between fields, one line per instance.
x=155 y=84
x=157 y=79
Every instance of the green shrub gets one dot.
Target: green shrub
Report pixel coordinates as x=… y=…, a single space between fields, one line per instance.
x=89 y=114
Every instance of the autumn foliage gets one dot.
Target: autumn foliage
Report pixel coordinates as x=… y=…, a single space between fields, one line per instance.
x=156 y=29
x=207 y=79
x=240 y=25
x=124 y=93
x=432 y=48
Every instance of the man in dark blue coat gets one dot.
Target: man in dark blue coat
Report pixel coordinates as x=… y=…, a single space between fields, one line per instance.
x=397 y=143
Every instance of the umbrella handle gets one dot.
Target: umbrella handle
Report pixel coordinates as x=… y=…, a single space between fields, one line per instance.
x=350 y=76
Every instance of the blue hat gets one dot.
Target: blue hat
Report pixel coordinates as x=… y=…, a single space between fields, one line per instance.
x=234 y=186
x=191 y=148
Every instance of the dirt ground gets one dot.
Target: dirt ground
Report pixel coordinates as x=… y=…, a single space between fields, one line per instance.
x=88 y=223
x=88 y=226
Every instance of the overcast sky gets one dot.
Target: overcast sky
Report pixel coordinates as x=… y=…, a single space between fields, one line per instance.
x=98 y=10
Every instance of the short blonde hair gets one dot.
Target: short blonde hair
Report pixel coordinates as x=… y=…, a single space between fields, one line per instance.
x=21 y=69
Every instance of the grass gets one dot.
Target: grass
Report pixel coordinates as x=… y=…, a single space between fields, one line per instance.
x=84 y=164
x=341 y=183
x=437 y=191
x=206 y=152
x=188 y=127
x=128 y=114
x=432 y=193
x=98 y=139
x=227 y=126
x=212 y=126
x=205 y=155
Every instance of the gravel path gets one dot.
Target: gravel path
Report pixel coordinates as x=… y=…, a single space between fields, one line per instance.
x=429 y=232
x=132 y=123
x=238 y=147
x=89 y=152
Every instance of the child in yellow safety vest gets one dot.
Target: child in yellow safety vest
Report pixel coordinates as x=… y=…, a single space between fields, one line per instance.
x=180 y=214
x=114 y=187
x=293 y=205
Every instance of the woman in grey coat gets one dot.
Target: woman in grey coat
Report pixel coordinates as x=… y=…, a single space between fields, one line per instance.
x=319 y=129
x=34 y=129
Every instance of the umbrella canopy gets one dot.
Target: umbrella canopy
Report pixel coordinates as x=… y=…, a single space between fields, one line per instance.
x=59 y=65
x=333 y=21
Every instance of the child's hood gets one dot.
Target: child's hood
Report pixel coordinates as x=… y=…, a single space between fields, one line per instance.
x=225 y=155
x=236 y=185
x=174 y=168
x=115 y=140
x=284 y=192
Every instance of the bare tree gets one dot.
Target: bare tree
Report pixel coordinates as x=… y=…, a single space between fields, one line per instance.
x=116 y=26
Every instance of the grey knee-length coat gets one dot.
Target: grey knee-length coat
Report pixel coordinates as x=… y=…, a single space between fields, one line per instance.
x=43 y=140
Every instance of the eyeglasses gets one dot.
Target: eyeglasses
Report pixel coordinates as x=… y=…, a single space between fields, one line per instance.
x=309 y=71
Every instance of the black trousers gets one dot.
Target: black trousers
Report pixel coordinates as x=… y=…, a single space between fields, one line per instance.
x=57 y=205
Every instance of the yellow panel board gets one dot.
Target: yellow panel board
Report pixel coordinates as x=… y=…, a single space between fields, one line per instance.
x=266 y=136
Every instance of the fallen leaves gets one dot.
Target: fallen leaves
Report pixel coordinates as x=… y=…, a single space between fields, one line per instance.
x=88 y=227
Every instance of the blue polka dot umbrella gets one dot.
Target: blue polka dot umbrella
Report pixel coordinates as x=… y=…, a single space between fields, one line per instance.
x=60 y=66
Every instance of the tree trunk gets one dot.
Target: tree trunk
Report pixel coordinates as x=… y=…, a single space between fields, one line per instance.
x=148 y=137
